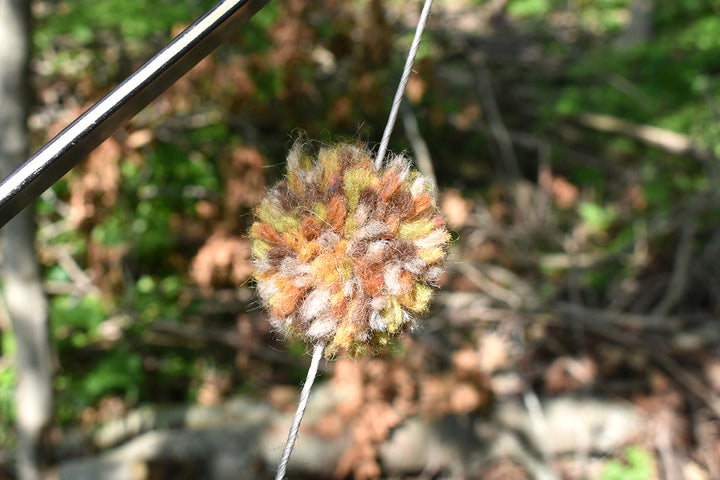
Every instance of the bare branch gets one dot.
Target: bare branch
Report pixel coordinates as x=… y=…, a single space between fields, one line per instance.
x=672 y=142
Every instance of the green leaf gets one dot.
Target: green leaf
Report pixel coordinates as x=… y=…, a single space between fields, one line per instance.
x=119 y=372
x=640 y=465
x=7 y=343
x=267 y=16
x=529 y=8
x=84 y=314
x=145 y=284
x=113 y=231
x=600 y=218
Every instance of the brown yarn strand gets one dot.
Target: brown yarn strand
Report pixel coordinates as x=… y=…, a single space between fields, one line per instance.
x=304 y=396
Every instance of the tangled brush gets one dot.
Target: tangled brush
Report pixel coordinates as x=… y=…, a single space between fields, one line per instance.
x=345 y=253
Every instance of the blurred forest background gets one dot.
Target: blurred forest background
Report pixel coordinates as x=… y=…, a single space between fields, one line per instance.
x=575 y=147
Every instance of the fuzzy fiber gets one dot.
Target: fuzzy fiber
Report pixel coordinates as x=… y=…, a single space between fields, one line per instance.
x=345 y=253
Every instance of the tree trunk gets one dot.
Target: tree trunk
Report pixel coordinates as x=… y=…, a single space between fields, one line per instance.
x=24 y=297
x=640 y=28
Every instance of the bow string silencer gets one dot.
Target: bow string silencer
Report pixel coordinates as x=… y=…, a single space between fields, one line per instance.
x=347 y=254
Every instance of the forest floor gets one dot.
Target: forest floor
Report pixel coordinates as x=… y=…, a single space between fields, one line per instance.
x=576 y=334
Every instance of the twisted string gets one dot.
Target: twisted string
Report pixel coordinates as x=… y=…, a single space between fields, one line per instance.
x=403 y=83
x=304 y=396
x=320 y=347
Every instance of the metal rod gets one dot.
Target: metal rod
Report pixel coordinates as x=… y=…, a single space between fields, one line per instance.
x=101 y=120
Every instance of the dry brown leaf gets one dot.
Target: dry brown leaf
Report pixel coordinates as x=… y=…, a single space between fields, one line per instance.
x=465 y=362
x=244 y=174
x=634 y=196
x=416 y=88
x=213 y=386
x=493 y=352
x=570 y=373
x=206 y=210
x=468 y=116
x=224 y=259
x=104 y=266
x=455 y=208
x=283 y=397
x=348 y=380
x=505 y=470
x=95 y=192
x=341 y=111
x=434 y=397
x=712 y=373
x=564 y=193
x=139 y=138
x=330 y=426
x=465 y=398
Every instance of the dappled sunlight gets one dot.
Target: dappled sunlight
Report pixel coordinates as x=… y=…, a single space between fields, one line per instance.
x=575 y=332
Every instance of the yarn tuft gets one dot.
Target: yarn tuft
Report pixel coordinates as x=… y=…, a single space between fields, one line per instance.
x=345 y=253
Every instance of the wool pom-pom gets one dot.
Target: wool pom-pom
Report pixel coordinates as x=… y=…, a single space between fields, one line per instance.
x=345 y=253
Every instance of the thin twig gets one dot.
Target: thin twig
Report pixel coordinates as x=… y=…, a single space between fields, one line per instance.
x=79 y=278
x=668 y=140
x=688 y=380
x=169 y=333
x=681 y=269
x=492 y=287
x=705 y=428
x=497 y=126
x=692 y=383
x=538 y=424
x=422 y=152
x=545 y=179
x=666 y=450
x=403 y=83
x=304 y=396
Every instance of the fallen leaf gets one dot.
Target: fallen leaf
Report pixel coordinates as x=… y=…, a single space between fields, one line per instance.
x=455 y=208
x=564 y=193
